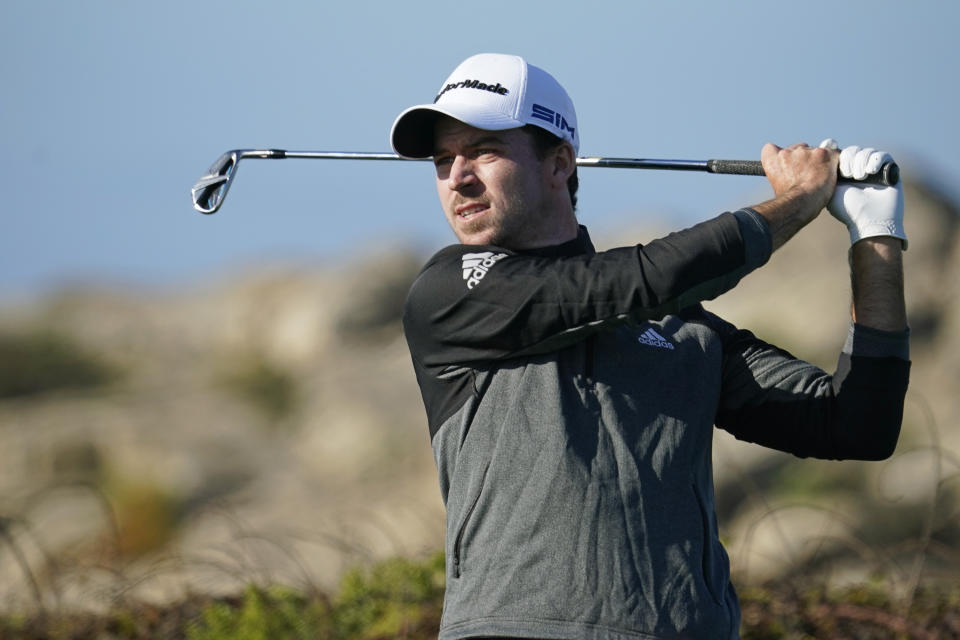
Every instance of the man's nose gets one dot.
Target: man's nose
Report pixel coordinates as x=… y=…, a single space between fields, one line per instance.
x=461 y=174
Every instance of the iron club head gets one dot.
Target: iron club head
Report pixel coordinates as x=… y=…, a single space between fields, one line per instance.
x=211 y=189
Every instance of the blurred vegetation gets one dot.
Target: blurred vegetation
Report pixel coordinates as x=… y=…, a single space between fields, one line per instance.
x=374 y=308
x=265 y=386
x=860 y=612
x=262 y=614
x=395 y=598
x=402 y=598
x=39 y=361
x=146 y=516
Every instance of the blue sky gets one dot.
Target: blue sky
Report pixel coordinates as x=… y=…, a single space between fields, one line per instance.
x=112 y=109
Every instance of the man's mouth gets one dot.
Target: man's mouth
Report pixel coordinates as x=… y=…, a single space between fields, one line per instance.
x=470 y=209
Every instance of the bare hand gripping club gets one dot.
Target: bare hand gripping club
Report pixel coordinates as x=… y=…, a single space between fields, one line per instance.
x=210 y=191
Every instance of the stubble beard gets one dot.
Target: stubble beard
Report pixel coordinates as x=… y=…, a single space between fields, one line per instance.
x=512 y=224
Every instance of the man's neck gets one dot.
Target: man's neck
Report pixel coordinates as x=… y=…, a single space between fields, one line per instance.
x=563 y=228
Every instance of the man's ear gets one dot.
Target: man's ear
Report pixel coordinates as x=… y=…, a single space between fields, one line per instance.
x=564 y=163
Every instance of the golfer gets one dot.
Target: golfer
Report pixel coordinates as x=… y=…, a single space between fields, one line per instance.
x=571 y=394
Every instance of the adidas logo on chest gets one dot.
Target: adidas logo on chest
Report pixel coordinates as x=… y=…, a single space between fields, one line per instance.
x=476 y=265
x=654 y=339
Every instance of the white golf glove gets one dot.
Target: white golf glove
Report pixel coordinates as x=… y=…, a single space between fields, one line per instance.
x=868 y=210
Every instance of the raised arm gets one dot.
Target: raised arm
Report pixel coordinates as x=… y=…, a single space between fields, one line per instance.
x=779 y=401
x=874 y=218
x=804 y=181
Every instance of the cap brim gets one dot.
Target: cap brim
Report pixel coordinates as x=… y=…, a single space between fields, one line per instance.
x=412 y=132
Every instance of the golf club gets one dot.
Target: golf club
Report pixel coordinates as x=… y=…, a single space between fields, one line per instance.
x=210 y=191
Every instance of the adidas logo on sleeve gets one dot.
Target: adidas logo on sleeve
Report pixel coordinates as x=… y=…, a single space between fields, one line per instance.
x=654 y=339
x=476 y=265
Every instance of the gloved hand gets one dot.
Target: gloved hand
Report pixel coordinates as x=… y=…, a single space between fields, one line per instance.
x=867 y=210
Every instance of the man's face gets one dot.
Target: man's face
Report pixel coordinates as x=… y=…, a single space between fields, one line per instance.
x=492 y=187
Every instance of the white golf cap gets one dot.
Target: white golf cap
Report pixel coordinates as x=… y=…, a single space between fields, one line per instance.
x=489 y=91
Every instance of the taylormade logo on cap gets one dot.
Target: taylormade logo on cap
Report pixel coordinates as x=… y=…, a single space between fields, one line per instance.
x=473 y=84
x=489 y=91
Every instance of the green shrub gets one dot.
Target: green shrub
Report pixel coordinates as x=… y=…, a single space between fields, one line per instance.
x=146 y=515
x=862 y=611
x=397 y=598
x=373 y=310
x=44 y=361
x=272 y=390
x=275 y=614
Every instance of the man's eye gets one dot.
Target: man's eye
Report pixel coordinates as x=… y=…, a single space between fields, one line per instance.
x=440 y=161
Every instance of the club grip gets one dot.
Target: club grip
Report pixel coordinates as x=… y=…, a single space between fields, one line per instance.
x=738 y=167
x=888 y=176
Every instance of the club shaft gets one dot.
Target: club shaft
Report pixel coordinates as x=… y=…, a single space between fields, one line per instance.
x=322 y=155
x=610 y=163
x=888 y=175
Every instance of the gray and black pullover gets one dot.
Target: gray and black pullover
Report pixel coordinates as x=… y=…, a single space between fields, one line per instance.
x=571 y=397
